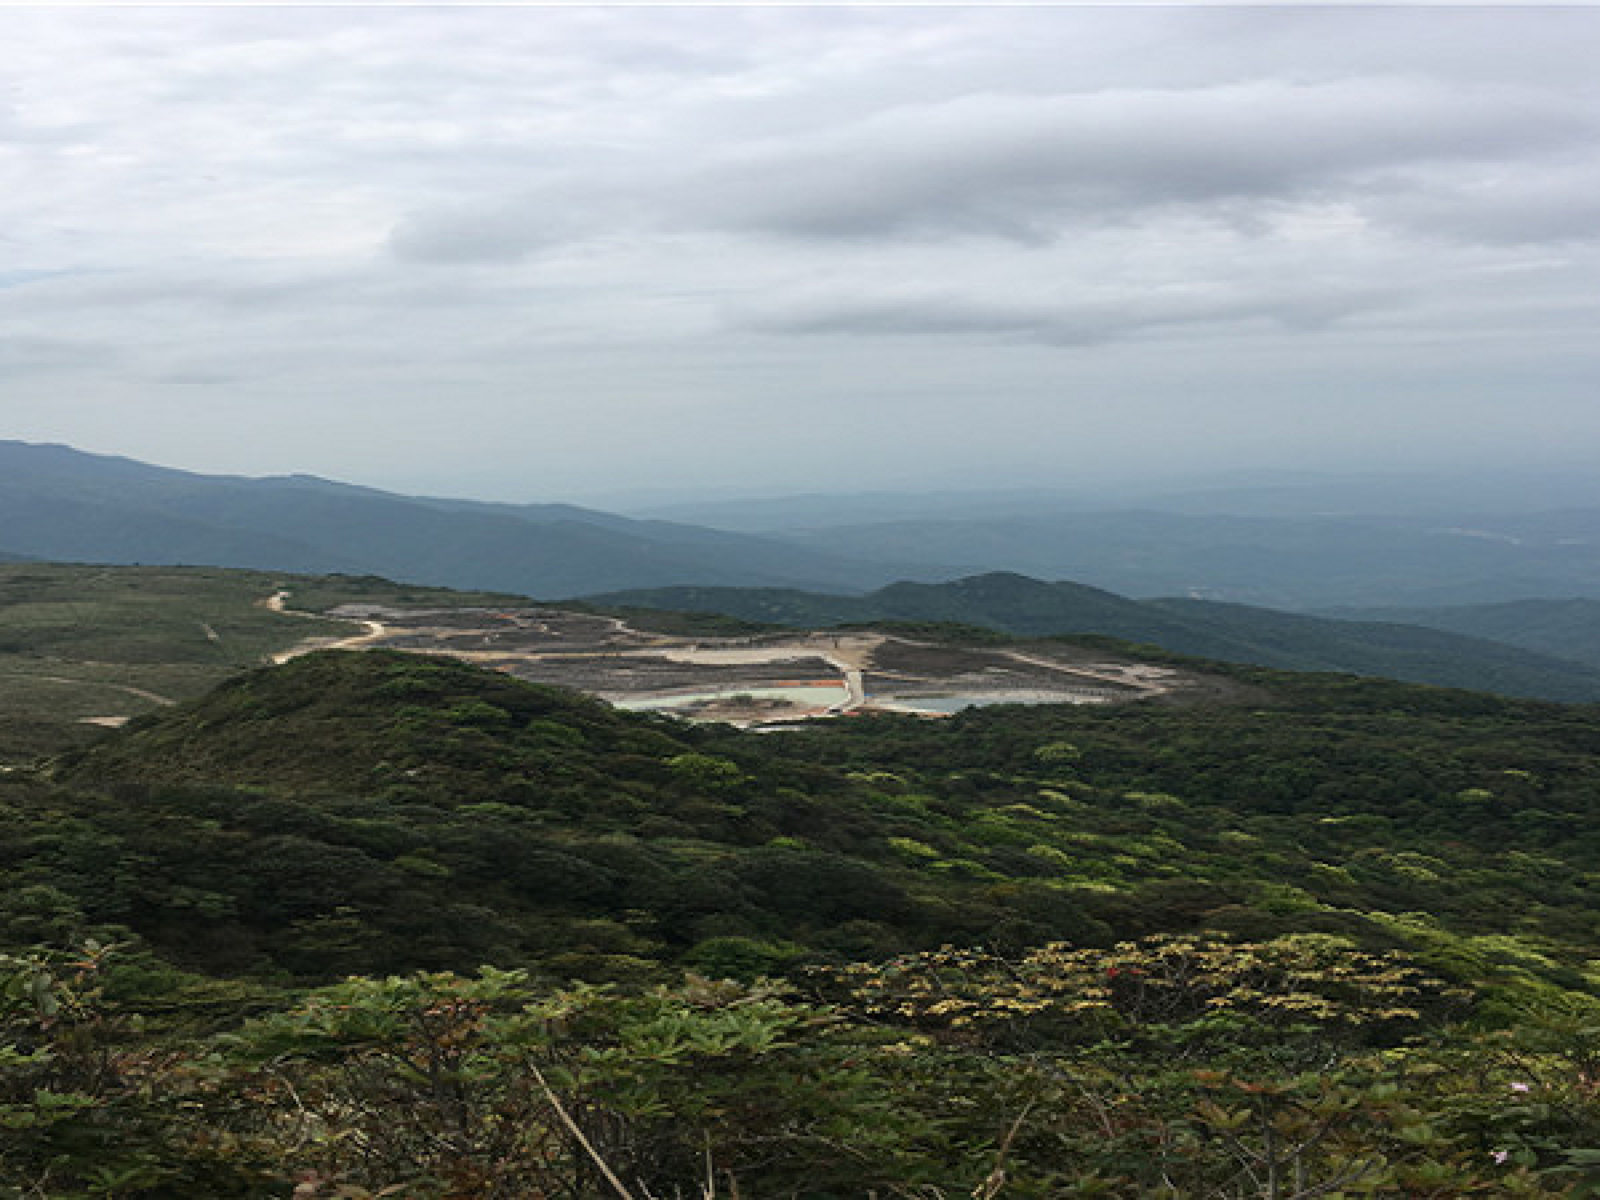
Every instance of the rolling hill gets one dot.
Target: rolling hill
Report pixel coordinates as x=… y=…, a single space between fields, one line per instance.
x=1231 y=632
x=1567 y=628
x=456 y=815
x=85 y=647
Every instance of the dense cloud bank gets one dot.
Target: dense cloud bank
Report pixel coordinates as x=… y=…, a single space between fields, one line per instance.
x=548 y=250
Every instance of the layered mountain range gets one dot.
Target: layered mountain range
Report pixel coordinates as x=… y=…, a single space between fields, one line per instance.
x=61 y=504
x=800 y=563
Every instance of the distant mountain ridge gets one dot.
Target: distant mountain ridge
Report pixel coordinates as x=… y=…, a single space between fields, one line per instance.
x=1260 y=493
x=1289 y=541
x=61 y=504
x=1568 y=628
x=1232 y=632
x=1292 y=562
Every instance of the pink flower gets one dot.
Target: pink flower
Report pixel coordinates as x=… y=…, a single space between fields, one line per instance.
x=1520 y=1087
x=1500 y=1156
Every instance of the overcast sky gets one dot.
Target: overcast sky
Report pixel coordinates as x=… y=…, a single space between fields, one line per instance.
x=535 y=253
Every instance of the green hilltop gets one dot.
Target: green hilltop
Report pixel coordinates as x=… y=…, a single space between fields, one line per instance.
x=1013 y=825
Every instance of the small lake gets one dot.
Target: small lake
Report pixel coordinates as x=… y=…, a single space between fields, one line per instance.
x=822 y=695
x=945 y=705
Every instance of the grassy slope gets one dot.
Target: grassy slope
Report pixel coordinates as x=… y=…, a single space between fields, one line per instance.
x=79 y=642
x=82 y=642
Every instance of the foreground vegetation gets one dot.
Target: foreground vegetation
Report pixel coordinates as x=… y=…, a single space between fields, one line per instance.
x=1164 y=1068
x=370 y=924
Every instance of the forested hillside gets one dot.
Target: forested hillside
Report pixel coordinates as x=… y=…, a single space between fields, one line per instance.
x=1568 y=628
x=60 y=504
x=1335 y=940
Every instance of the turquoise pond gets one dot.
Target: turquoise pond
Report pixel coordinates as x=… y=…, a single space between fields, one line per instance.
x=824 y=696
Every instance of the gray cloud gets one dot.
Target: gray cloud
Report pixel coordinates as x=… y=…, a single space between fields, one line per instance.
x=30 y=354
x=1551 y=202
x=909 y=312
x=1002 y=163
x=538 y=244
x=1026 y=166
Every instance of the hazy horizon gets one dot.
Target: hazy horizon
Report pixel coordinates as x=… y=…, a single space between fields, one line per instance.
x=573 y=253
x=1500 y=489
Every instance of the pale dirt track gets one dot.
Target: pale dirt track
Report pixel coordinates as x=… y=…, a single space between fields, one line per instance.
x=126 y=690
x=278 y=601
x=109 y=722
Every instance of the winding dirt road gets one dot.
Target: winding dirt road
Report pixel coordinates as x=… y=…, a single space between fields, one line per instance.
x=278 y=603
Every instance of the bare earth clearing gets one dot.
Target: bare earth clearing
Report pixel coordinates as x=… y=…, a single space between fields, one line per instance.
x=764 y=680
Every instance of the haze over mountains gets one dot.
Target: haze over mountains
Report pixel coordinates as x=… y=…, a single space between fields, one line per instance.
x=811 y=565
x=1222 y=544
x=1565 y=628
x=1301 y=547
x=61 y=504
x=1262 y=493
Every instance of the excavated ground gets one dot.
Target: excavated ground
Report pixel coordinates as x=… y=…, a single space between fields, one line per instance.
x=772 y=678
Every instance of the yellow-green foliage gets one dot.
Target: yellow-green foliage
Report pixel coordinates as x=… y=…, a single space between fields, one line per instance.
x=1065 y=993
x=440 y=1087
